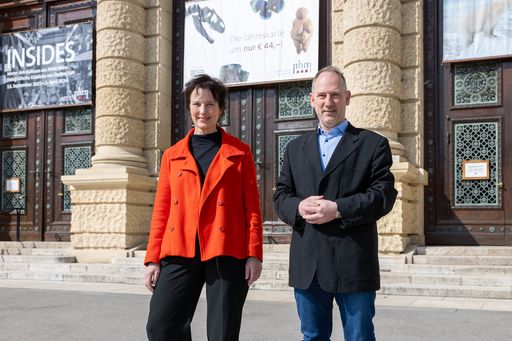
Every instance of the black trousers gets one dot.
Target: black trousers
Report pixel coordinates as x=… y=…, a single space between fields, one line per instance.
x=177 y=292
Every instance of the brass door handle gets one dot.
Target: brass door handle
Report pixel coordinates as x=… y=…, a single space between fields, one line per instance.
x=500 y=185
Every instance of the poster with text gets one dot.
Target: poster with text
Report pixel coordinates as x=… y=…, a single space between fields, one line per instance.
x=46 y=68
x=247 y=42
x=476 y=29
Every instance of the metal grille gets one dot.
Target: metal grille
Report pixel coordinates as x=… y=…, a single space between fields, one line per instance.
x=78 y=121
x=294 y=100
x=14 y=125
x=477 y=141
x=282 y=143
x=74 y=158
x=476 y=84
x=13 y=166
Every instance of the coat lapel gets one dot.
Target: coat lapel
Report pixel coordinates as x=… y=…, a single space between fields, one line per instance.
x=310 y=148
x=346 y=146
x=182 y=153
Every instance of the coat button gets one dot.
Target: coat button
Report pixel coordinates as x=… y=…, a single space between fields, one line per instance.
x=220 y=202
x=175 y=201
x=171 y=228
x=221 y=229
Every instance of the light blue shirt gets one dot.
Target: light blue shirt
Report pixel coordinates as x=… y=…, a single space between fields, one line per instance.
x=327 y=142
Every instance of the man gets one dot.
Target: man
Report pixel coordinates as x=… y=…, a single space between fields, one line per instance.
x=334 y=185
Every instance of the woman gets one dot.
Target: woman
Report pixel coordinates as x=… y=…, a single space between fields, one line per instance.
x=206 y=225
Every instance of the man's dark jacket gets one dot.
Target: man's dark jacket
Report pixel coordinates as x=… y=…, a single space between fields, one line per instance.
x=342 y=252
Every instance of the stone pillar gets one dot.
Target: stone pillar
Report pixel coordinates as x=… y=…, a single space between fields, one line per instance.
x=371 y=54
x=372 y=58
x=112 y=199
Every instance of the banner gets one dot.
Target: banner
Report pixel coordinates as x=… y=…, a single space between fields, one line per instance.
x=247 y=42
x=476 y=29
x=46 y=68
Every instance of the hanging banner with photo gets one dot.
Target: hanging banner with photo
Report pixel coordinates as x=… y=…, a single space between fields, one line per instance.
x=248 y=42
x=46 y=68
x=476 y=29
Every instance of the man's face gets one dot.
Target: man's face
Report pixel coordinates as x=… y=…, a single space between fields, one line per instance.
x=329 y=99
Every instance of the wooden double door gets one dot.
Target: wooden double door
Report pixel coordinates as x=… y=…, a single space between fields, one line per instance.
x=469 y=145
x=468 y=141
x=37 y=147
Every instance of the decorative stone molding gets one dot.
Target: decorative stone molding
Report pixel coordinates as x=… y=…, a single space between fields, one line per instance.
x=111 y=207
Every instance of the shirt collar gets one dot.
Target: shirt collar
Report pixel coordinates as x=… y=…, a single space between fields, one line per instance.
x=336 y=131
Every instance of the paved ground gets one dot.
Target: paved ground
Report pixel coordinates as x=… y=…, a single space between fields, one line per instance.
x=63 y=311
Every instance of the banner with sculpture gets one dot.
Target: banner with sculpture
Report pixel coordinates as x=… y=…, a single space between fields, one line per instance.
x=46 y=68
x=476 y=29
x=248 y=42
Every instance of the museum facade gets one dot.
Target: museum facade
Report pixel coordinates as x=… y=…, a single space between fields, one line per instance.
x=84 y=166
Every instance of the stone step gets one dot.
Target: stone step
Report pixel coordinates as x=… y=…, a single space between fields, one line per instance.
x=450 y=269
x=446 y=290
x=74 y=277
x=267 y=248
x=462 y=260
x=387 y=262
x=275 y=265
x=51 y=252
x=465 y=250
x=128 y=260
x=93 y=275
x=279 y=275
x=462 y=280
x=35 y=252
x=35 y=245
x=14 y=251
x=74 y=267
x=280 y=248
x=270 y=285
x=139 y=254
x=275 y=256
x=37 y=259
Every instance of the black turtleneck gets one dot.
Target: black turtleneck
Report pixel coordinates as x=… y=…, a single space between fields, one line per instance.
x=204 y=148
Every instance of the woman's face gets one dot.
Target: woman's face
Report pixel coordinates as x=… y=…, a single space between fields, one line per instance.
x=205 y=111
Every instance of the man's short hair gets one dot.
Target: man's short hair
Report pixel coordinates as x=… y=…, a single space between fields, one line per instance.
x=329 y=68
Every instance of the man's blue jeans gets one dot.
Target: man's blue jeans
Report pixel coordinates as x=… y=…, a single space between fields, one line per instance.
x=314 y=306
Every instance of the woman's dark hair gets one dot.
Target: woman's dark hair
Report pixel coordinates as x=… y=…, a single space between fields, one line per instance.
x=215 y=86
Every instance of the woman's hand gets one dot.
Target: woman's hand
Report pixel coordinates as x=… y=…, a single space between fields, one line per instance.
x=252 y=270
x=152 y=273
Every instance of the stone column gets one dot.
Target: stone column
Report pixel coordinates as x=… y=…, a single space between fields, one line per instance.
x=371 y=54
x=112 y=199
x=372 y=58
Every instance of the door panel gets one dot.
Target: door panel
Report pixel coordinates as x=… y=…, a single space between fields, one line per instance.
x=473 y=131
